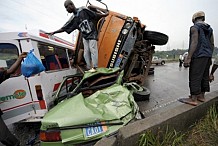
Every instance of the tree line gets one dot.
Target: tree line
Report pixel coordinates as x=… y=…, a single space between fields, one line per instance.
x=174 y=54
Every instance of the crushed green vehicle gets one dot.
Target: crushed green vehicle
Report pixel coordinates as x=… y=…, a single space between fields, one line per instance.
x=89 y=107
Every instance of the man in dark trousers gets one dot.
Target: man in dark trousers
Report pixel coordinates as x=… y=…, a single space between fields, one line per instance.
x=6 y=137
x=200 y=52
x=83 y=19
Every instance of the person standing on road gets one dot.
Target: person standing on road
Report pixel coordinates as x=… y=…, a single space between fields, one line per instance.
x=184 y=56
x=180 y=60
x=201 y=46
x=214 y=67
x=6 y=137
x=83 y=19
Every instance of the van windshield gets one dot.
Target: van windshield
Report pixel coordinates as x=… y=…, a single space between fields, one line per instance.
x=8 y=55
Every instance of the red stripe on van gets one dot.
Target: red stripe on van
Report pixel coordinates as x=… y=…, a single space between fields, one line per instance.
x=42 y=106
x=56 y=39
x=60 y=41
x=17 y=106
x=43 y=35
x=56 y=86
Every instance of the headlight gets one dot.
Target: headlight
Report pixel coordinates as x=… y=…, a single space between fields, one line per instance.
x=127 y=25
x=129 y=19
x=124 y=31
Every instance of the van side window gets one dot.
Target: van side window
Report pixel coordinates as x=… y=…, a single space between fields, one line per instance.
x=8 y=55
x=53 y=57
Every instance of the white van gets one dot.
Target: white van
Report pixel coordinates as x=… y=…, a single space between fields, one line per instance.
x=28 y=99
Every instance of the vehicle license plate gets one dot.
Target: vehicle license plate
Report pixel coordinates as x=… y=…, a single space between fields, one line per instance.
x=92 y=131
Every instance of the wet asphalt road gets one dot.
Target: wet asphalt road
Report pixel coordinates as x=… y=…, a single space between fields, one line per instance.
x=168 y=83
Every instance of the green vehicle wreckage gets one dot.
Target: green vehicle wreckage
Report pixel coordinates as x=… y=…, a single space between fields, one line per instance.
x=81 y=117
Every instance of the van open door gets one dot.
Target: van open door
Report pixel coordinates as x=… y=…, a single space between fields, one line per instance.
x=15 y=99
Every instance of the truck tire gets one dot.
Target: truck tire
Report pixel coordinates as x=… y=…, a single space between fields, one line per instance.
x=150 y=72
x=155 y=38
x=142 y=95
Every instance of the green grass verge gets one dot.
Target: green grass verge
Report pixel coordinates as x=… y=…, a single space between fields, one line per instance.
x=202 y=133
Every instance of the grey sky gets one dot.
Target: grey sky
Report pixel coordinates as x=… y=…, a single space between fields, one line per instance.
x=172 y=17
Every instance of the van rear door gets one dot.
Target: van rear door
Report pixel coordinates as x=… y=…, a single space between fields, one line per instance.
x=15 y=98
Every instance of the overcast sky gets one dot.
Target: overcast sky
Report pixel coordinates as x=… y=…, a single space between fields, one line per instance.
x=172 y=17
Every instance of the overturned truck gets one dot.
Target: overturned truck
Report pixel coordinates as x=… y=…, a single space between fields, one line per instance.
x=124 y=42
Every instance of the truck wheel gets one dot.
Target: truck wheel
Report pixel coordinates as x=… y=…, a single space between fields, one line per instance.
x=151 y=68
x=155 y=38
x=150 y=72
x=142 y=95
x=162 y=62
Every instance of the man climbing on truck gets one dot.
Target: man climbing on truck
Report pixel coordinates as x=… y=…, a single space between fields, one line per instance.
x=83 y=20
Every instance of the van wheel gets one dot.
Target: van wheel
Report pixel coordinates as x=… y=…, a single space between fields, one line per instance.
x=155 y=38
x=142 y=95
x=162 y=62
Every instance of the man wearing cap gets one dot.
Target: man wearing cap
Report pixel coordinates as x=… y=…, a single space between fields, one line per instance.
x=83 y=19
x=201 y=46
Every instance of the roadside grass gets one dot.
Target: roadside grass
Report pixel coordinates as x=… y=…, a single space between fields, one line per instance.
x=202 y=133
x=167 y=138
x=205 y=132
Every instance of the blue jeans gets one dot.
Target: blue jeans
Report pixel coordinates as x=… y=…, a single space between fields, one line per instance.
x=90 y=53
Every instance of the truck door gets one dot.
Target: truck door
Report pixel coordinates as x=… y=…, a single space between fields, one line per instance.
x=15 y=96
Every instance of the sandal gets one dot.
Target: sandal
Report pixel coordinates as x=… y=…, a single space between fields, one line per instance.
x=188 y=101
x=201 y=99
